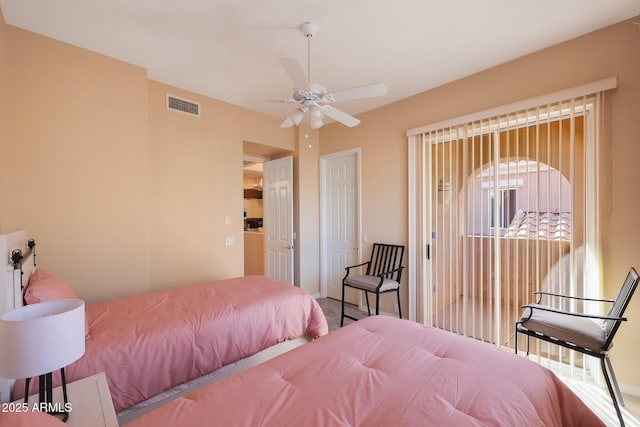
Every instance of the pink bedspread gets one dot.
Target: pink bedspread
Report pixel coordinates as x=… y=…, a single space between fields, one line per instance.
x=382 y=371
x=29 y=419
x=149 y=343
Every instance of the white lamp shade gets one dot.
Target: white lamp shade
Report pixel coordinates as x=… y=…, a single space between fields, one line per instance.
x=41 y=338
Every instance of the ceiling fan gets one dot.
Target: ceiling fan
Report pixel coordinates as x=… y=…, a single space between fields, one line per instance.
x=315 y=102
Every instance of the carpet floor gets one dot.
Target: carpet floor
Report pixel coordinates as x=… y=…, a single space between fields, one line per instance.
x=333 y=311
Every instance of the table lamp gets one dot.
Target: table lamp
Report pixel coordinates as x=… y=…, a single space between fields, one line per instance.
x=41 y=338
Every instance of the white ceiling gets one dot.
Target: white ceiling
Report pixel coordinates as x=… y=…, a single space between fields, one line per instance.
x=229 y=49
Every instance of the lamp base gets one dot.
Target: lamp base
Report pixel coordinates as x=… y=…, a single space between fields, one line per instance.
x=45 y=396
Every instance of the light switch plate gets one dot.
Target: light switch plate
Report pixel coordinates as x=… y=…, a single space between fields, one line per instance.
x=228 y=240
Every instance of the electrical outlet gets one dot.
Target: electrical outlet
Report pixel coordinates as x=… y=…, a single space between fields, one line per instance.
x=396 y=309
x=228 y=240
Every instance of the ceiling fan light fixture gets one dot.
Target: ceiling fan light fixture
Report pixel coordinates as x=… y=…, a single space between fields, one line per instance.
x=315 y=123
x=297 y=116
x=316 y=112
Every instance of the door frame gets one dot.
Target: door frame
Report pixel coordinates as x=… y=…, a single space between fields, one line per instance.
x=323 y=210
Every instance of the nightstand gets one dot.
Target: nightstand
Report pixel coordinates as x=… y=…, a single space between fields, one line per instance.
x=91 y=402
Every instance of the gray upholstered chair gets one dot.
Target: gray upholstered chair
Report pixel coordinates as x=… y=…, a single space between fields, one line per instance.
x=586 y=333
x=383 y=274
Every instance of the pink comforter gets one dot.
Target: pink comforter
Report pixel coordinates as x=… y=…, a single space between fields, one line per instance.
x=152 y=342
x=382 y=371
x=29 y=419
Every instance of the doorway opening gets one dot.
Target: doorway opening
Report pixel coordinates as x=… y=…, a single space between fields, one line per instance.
x=268 y=204
x=253 y=214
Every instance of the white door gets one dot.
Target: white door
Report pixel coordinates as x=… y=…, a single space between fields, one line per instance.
x=277 y=198
x=340 y=219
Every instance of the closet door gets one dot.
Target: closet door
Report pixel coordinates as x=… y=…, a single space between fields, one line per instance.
x=340 y=216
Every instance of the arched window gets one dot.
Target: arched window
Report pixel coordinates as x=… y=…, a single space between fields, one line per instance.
x=521 y=199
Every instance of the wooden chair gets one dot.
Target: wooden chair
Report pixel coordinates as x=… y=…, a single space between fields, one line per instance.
x=383 y=274
x=579 y=331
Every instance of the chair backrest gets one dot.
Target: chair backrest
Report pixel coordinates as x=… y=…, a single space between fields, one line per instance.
x=386 y=258
x=620 y=305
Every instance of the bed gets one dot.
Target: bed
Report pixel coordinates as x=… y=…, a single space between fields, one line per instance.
x=150 y=343
x=384 y=371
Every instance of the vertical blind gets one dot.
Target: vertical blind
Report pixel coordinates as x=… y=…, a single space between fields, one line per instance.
x=504 y=205
x=508 y=216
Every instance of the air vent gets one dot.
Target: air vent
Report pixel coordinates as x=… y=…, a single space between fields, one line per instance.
x=182 y=105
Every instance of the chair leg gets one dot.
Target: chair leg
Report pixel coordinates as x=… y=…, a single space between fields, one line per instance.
x=342 y=317
x=366 y=296
x=604 y=363
x=399 y=309
x=377 y=303
x=515 y=336
x=614 y=381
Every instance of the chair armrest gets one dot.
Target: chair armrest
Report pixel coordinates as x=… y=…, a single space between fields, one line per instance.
x=570 y=313
x=572 y=297
x=357 y=265
x=348 y=269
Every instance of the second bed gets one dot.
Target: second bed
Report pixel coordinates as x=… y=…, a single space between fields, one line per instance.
x=382 y=371
x=147 y=344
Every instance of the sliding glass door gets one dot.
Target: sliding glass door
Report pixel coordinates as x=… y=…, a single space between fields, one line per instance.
x=510 y=213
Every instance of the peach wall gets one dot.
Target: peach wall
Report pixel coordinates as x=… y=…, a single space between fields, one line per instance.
x=78 y=162
x=612 y=51
x=122 y=195
x=307 y=210
x=197 y=179
x=3 y=113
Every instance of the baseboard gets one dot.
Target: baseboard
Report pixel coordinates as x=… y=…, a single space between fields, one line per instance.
x=316 y=296
x=629 y=389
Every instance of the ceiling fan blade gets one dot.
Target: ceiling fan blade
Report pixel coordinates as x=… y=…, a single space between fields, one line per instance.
x=296 y=73
x=280 y=100
x=376 y=89
x=341 y=116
